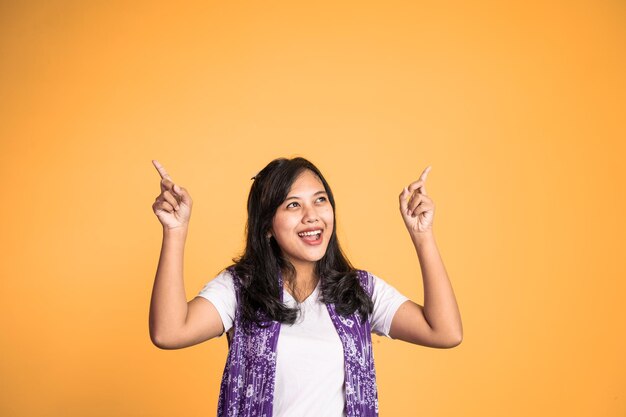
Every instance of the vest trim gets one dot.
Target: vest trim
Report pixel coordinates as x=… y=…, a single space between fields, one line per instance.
x=248 y=380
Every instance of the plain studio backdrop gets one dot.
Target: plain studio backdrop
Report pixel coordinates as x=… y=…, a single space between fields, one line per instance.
x=518 y=106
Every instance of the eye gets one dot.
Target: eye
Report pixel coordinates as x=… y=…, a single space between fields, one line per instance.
x=290 y=204
x=322 y=199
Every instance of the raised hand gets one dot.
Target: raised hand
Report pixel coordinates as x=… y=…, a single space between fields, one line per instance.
x=173 y=205
x=416 y=207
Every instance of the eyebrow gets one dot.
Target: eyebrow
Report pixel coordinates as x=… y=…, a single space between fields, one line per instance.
x=295 y=197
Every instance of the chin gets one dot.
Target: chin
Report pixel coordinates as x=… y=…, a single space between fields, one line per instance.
x=319 y=257
x=312 y=258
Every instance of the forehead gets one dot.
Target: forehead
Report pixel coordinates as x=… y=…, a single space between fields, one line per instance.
x=306 y=181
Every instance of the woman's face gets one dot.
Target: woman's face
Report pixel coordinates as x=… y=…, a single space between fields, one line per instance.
x=303 y=223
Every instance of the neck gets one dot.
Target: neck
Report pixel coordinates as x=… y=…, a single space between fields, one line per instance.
x=302 y=285
x=305 y=275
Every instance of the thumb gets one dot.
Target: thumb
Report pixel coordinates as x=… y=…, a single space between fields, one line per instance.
x=403 y=200
x=183 y=194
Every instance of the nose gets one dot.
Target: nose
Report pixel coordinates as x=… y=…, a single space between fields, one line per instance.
x=310 y=215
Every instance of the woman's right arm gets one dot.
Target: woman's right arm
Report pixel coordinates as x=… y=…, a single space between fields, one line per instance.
x=175 y=323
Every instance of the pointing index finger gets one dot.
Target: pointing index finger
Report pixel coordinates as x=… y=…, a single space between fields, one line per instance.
x=420 y=184
x=423 y=178
x=162 y=172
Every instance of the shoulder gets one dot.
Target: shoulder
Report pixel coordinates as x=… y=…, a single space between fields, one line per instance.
x=367 y=280
x=229 y=274
x=226 y=274
x=223 y=281
x=376 y=285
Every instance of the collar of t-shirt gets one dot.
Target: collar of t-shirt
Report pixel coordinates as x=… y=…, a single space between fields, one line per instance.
x=311 y=298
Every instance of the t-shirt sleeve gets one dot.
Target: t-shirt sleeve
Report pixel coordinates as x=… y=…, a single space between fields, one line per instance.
x=386 y=300
x=221 y=292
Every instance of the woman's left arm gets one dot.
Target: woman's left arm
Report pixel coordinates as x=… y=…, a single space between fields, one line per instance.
x=438 y=322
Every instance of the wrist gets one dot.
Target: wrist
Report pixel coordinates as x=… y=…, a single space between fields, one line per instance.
x=175 y=232
x=419 y=238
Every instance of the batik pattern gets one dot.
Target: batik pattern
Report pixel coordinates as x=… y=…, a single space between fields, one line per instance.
x=247 y=387
x=360 y=376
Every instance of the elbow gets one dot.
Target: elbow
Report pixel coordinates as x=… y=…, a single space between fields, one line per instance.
x=156 y=341
x=448 y=341
x=160 y=337
x=155 y=336
x=159 y=342
x=454 y=341
x=457 y=341
x=454 y=336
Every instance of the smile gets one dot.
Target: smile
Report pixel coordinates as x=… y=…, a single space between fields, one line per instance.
x=310 y=233
x=311 y=237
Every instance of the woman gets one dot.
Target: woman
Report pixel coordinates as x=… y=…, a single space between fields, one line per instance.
x=298 y=316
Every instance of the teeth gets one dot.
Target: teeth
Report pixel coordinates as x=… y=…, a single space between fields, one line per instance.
x=314 y=232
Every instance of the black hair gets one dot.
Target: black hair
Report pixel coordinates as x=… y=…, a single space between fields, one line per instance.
x=258 y=267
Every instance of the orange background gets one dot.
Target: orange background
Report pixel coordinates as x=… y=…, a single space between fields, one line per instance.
x=518 y=106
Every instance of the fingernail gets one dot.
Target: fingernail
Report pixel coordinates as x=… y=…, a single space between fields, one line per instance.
x=176 y=188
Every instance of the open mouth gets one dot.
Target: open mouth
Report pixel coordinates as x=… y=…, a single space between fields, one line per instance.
x=311 y=236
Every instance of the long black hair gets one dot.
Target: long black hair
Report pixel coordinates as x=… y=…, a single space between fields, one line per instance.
x=262 y=259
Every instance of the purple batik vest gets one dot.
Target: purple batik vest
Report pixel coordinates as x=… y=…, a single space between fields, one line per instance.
x=247 y=388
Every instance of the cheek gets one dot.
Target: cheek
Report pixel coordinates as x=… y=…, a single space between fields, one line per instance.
x=328 y=217
x=283 y=223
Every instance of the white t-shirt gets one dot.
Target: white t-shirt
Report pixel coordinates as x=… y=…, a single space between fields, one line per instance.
x=309 y=353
